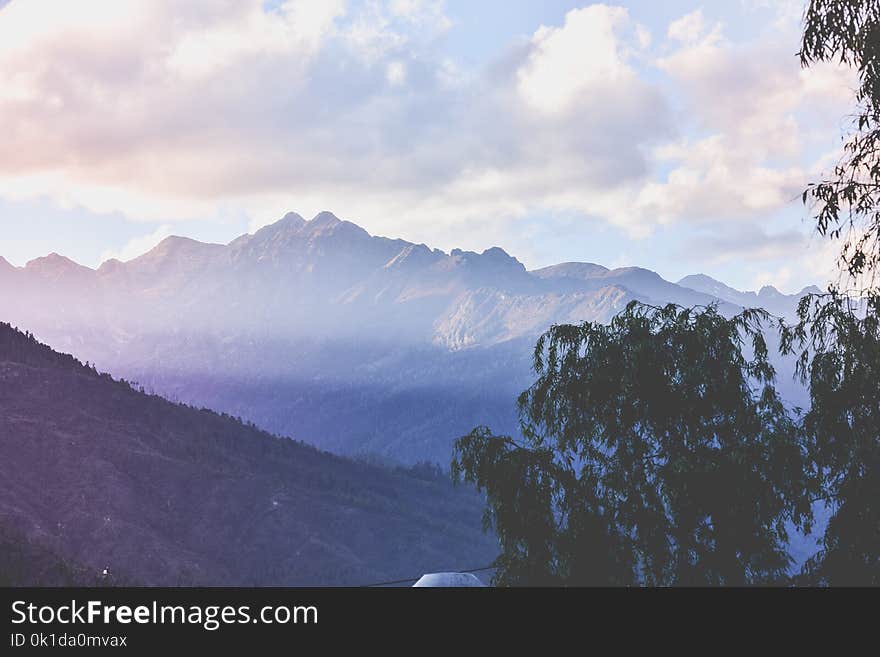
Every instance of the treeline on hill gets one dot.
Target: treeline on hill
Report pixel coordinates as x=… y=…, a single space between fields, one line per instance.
x=27 y=350
x=656 y=450
x=105 y=484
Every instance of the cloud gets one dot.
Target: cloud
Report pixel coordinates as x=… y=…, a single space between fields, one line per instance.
x=750 y=242
x=167 y=110
x=158 y=109
x=756 y=119
x=587 y=53
x=170 y=110
x=296 y=27
x=425 y=13
x=691 y=29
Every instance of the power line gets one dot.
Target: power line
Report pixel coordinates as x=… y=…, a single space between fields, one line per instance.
x=416 y=579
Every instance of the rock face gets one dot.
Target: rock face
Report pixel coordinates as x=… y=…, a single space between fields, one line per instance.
x=103 y=484
x=318 y=329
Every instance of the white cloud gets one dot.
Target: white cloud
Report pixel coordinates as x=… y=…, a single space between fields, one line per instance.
x=566 y=63
x=717 y=178
x=691 y=29
x=169 y=110
x=172 y=109
x=643 y=36
x=380 y=29
x=755 y=114
x=426 y=13
x=296 y=27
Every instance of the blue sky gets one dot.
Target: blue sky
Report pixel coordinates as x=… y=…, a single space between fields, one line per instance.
x=671 y=135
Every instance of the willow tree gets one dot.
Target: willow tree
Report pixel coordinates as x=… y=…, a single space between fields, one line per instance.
x=837 y=336
x=847 y=203
x=654 y=450
x=839 y=344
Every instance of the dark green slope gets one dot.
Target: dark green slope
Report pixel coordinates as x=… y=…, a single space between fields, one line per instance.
x=95 y=475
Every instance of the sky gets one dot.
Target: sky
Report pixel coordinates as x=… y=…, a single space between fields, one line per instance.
x=676 y=136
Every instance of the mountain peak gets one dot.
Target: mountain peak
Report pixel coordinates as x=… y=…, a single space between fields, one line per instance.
x=413 y=256
x=494 y=263
x=50 y=258
x=111 y=266
x=173 y=254
x=56 y=269
x=291 y=218
x=496 y=252
x=325 y=218
x=5 y=265
x=175 y=244
x=698 y=278
x=290 y=223
x=634 y=272
x=173 y=241
x=769 y=291
x=325 y=224
x=579 y=270
x=708 y=285
x=54 y=263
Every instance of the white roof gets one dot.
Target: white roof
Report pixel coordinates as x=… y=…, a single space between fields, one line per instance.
x=449 y=579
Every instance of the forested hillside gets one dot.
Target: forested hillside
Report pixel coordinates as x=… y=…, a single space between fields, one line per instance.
x=105 y=483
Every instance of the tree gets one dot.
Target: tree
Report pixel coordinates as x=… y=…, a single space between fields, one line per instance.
x=847 y=205
x=654 y=451
x=837 y=338
x=840 y=359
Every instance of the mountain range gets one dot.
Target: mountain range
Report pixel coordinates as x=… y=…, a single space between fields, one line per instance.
x=316 y=329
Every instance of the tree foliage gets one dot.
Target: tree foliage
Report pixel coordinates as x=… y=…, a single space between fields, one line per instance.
x=655 y=450
x=836 y=337
x=847 y=203
x=838 y=345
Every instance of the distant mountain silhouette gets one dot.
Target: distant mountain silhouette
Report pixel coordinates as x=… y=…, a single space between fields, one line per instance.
x=317 y=329
x=768 y=297
x=104 y=484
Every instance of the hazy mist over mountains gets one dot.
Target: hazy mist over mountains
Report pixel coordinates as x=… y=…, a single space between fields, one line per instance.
x=103 y=484
x=320 y=331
